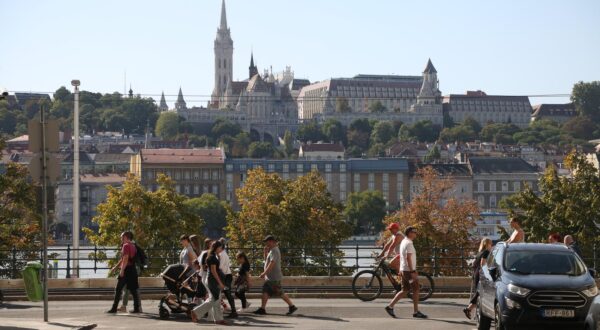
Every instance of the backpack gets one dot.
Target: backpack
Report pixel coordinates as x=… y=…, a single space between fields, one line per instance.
x=140 y=259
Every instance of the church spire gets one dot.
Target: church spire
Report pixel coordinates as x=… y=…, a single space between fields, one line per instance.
x=180 y=104
x=223 y=25
x=162 y=106
x=252 y=70
x=429 y=68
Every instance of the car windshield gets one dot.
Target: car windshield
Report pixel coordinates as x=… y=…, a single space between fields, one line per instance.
x=544 y=262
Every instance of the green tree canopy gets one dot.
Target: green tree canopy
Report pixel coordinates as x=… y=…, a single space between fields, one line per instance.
x=225 y=127
x=213 y=211
x=421 y=131
x=167 y=125
x=300 y=213
x=383 y=132
x=156 y=218
x=365 y=211
x=586 y=98
x=288 y=143
x=309 y=132
x=334 y=131
x=569 y=205
x=261 y=150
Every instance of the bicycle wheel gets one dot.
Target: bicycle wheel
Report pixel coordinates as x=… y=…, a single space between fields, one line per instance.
x=367 y=285
x=426 y=287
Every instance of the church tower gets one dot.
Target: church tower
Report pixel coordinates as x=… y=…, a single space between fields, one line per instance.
x=180 y=104
x=223 y=57
x=430 y=92
x=162 y=106
x=252 y=69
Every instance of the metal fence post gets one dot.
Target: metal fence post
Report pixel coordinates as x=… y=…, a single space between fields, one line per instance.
x=434 y=270
x=68 y=261
x=357 y=250
x=95 y=258
x=14 y=261
x=462 y=258
x=595 y=255
x=330 y=260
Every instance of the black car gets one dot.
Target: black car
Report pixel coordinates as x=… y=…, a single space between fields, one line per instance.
x=534 y=285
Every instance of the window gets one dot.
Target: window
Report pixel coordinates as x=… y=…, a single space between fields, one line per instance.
x=178 y=188
x=286 y=168
x=517 y=186
x=215 y=174
x=177 y=174
x=356 y=182
x=493 y=186
x=481 y=201
x=314 y=167
x=271 y=167
x=242 y=167
x=187 y=174
x=299 y=168
x=493 y=201
x=229 y=167
x=504 y=185
x=480 y=186
x=149 y=175
x=342 y=167
x=371 y=181
x=196 y=175
x=196 y=189
x=327 y=167
x=186 y=189
x=205 y=189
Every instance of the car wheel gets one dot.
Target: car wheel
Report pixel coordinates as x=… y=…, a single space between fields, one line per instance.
x=483 y=322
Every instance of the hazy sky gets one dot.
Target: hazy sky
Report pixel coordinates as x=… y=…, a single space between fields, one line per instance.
x=501 y=47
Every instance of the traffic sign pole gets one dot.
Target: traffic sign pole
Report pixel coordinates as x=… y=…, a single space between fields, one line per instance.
x=44 y=213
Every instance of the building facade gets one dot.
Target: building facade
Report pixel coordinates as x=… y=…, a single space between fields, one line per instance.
x=488 y=108
x=194 y=171
x=405 y=98
x=343 y=177
x=560 y=113
x=495 y=178
x=460 y=174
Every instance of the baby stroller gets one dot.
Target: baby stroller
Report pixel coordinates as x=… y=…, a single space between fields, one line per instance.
x=178 y=285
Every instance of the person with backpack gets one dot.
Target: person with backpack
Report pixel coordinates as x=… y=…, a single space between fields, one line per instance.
x=127 y=274
x=140 y=263
x=484 y=251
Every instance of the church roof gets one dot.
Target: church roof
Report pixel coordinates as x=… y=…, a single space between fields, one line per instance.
x=223 y=16
x=429 y=68
x=238 y=86
x=566 y=109
x=257 y=84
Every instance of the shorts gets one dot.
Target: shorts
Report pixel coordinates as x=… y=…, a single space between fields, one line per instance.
x=406 y=285
x=272 y=288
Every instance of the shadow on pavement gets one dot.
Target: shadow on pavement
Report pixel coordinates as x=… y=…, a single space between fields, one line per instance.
x=321 y=318
x=17 y=306
x=242 y=321
x=15 y=328
x=439 y=320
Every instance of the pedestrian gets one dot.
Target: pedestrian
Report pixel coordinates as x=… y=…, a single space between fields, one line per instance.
x=570 y=242
x=202 y=290
x=273 y=275
x=554 y=238
x=225 y=266
x=127 y=274
x=138 y=268
x=392 y=247
x=518 y=235
x=410 y=278
x=187 y=254
x=242 y=281
x=215 y=286
x=485 y=246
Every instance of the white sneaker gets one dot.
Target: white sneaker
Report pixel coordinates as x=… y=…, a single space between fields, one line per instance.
x=122 y=309
x=248 y=304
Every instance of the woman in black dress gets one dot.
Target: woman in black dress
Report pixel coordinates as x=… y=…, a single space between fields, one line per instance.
x=484 y=251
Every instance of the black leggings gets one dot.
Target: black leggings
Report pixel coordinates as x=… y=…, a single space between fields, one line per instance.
x=474 y=292
x=130 y=279
x=227 y=291
x=241 y=294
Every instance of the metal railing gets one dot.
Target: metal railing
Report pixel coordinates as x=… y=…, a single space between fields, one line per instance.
x=437 y=261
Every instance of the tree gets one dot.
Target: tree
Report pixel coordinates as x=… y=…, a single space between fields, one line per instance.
x=309 y=132
x=225 y=127
x=495 y=131
x=20 y=218
x=377 y=107
x=421 y=131
x=442 y=220
x=460 y=133
x=383 y=132
x=300 y=213
x=240 y=145
x=334 y=131
x=361 y=125
x=288 y=143
x=156 y=218
x=433 y=155
x=167 y=125
x=586 y=98
x=213 y=211
x=260 y=150
x=564 y=204
x=365 y=211
x=200 y=141
x=473 y=124
x=342 y=105
x=580 y=127
x=376 y=150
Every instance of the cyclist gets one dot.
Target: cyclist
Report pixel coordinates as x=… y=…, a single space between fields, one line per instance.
x=392 y=247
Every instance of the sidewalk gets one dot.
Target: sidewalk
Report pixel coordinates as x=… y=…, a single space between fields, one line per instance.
x=56 y=324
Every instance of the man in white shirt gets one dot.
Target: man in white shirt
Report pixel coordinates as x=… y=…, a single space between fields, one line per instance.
x=410 y=278
x=225 y=267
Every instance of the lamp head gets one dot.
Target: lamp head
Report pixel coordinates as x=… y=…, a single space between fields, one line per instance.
x=75 y=83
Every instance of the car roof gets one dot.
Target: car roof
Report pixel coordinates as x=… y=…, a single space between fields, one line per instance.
x=557 y=247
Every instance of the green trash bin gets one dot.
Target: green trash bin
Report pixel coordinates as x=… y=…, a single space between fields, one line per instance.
x=32 y=277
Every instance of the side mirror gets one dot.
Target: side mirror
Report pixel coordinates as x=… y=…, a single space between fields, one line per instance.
x=592 y=272
x=493 y=272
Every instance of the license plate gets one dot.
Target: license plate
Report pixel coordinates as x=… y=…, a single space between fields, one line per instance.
x=559 y=313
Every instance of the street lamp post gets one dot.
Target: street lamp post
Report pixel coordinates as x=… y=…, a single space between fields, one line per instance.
x=75 y=229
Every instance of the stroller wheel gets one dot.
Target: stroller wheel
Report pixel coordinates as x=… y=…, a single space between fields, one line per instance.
x=163 y=313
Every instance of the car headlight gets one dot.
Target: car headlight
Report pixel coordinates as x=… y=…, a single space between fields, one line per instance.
x=519 y=291
x=590 y=292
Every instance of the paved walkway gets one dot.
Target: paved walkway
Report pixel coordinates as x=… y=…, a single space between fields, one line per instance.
x=319 y=314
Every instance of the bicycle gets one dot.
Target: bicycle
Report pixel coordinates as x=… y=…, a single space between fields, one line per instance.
x=367 y=285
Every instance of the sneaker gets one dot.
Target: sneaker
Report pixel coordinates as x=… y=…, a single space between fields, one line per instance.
x=243 y=309
x=390 y=311
x=122 y=309
x=467 y=312
x=292 y=309
x=260 y=311
x=111 y=311
x=419 y=315
x=136 y=311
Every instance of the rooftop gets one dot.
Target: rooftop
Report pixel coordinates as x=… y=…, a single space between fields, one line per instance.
x=322 y=147
x=182 y=156
x=102 y=178
x=499 y=165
